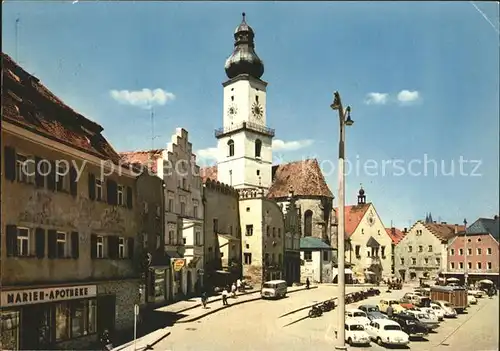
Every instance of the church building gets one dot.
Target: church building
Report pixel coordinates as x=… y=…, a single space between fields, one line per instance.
x=267 y=192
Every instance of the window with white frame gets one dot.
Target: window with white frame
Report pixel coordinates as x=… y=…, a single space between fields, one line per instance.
x=469 y=252
x=100 y=247
x=23 y=241
x=25 y=169
x=98 y=189
x=195 y=208
x=429 y=248
x=460 y=252
x=410 y=248
x=469 y=265
x=488 y=251
x=452 y=252
x=308 y=256
x=488 y=265
x=197 y=238
x=182 y=200
x=121 y=248
x=120 y=195
x=452 y=265
x=62 y=244
x=420 y=248
x=438 y=261
x=62 y=176
x=413 y=261
x=171 y=201
x=402 y=261
x=478 y=265
x=479 y=251
x=426 y=260
x=461 y=265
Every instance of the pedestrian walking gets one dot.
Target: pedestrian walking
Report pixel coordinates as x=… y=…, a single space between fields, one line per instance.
x=390 y=311
x=308 y=283
x=204 y=299
x=238 y=285
x=233 y=290
x=225 y=294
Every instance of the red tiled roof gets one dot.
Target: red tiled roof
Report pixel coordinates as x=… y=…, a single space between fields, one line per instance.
x=304 y=178
x=353 y=216
x=208 y=173
x=395 y=234
x=28 y=104
x=144 y=158
x=443 y=231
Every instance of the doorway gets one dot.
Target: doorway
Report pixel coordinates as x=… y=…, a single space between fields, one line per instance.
x=106 y=305
x=36 y=330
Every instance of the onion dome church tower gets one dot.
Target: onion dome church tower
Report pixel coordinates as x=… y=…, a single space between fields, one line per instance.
x=244 y=159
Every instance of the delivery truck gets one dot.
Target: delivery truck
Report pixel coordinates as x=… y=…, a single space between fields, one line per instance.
x=455 y=295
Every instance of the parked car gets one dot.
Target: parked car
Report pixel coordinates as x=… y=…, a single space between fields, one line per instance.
x=438 y=310
x=387 y=332
x=410 y=325
x=396 y=307
x=355 y=333
x=357 y=315
x=449 y=311
x=416 y=299
x=471 y=299
x=439 y=313
x=428 y=320
x=476 y=293
x=372 y=312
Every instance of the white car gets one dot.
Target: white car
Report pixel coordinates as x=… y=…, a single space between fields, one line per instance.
x=438 y=313
x=471 y=300
x=355 y=333
x=449 y=311
x=476 y=293
x=357 y=315
x=387 y=332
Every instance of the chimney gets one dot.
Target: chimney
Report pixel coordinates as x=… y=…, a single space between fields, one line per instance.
x=435 y=222
x=495 y=217
x=393 y=231
x=443 y=222
x=456 y=228
x=405 y=230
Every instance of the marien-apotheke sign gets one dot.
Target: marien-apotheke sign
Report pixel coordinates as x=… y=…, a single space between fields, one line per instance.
x=32 y=296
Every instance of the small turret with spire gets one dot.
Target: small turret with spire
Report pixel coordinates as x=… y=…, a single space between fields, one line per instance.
x=361 y=196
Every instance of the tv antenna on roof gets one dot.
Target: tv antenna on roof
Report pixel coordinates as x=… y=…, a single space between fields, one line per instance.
x=17 y=39
x=153 y=135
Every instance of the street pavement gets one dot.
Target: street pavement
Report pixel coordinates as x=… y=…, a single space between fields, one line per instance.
x=267 y=324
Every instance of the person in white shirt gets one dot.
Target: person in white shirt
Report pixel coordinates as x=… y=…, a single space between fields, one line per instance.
x=233 y=290
x=225 y=294
x=238 y=285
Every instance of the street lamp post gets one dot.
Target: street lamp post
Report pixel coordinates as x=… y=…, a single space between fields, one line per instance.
x=345 y=120
x=466 y=276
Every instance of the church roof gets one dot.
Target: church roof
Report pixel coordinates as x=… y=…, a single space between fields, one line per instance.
x=28 y=104
x=207 y=173
x=353 y=216
x=147 y=157
x=304 y=178
x=395 y=234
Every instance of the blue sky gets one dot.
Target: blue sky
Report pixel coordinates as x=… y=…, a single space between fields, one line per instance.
x=442 y=56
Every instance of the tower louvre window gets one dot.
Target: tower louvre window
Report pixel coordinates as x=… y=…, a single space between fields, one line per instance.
x=230 y=145
x=256 y=98
x=258 y=147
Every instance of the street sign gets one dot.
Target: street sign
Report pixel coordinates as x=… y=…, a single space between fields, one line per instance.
x=178 y=264
x=136 y=310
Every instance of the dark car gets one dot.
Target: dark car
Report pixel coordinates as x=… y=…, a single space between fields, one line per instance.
x=372 y=312
x=411 y=325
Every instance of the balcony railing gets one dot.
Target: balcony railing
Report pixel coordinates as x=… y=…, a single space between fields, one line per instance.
x=246 y=126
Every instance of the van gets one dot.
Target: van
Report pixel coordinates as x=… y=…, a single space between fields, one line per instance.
x=273 y=289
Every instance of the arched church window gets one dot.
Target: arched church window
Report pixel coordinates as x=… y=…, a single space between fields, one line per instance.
x=308 y=215
x=258 y=148
x=230 y=146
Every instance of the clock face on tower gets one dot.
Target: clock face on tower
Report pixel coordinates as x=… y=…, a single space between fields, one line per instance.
x=257 y=110
x=232 y=111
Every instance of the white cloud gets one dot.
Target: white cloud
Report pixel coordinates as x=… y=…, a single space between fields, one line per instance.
x=210 y=153
x=144 y=98
x=406 y=96
x=280 y=145
x=376 y=98
x=207 y=154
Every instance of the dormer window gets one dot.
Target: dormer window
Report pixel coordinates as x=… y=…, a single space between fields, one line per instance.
x=230 y=146
x=258 y=148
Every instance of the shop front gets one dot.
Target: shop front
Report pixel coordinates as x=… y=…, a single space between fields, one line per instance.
x=37 y=319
